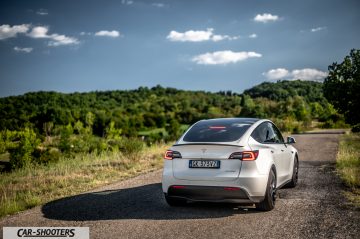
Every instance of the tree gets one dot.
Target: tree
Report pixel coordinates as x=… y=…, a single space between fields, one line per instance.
x=22 y=155
x=342 y=87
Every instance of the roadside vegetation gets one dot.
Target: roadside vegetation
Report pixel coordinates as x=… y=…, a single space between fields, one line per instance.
x=348 y=166
x=37 y=184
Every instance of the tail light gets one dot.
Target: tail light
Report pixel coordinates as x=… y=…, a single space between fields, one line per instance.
x=170 y=155
x=245 y=155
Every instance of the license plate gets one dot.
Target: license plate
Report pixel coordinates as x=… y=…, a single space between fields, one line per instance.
x=204 y=163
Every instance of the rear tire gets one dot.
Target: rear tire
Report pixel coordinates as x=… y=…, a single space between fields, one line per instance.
x=295 y=175
x=175 y=202
x=270 y=195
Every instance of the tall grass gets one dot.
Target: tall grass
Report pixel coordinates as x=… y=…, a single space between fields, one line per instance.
x=34 y=185
x=348 y=165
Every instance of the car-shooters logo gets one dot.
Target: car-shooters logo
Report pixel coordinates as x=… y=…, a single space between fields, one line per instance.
x=46 y=232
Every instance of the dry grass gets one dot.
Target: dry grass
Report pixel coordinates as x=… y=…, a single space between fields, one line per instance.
x=348 y=165
x=29 y=187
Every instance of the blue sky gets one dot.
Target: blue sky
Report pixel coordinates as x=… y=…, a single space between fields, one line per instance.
x=211 y=45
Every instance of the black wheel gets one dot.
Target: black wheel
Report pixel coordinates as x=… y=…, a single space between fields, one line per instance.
x=175 y=202
x=270 y=195
x=295 y=175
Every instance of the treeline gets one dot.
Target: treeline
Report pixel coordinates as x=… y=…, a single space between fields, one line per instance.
x=56 y=123
x=142 y=109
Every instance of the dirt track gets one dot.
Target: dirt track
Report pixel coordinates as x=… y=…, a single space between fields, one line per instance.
x=136 y=209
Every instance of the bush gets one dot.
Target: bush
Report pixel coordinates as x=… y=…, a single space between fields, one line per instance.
x=22 y=155
x=356 y=128
x=44 y=156
x=131 y=147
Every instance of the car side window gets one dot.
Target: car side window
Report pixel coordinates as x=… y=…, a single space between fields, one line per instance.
x=267 y=133
x=260 y=133
x=277 y=134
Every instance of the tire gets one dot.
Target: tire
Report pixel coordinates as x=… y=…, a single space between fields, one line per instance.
x=295 y=175
x=268 y=203
x=175 y=202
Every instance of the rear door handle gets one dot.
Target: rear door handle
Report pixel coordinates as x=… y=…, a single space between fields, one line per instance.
x=282 y=150
x=272 y=151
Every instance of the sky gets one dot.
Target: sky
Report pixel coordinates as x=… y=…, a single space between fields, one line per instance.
x=213 y=45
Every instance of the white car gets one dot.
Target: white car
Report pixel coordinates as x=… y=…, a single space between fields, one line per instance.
x=235 y=160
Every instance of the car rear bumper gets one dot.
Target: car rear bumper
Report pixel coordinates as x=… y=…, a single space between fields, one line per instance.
x=211 y=194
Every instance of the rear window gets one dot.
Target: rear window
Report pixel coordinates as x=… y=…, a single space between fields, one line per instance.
x=217 y=131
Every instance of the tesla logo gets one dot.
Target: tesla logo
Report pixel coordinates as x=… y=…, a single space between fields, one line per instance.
x=203 y=150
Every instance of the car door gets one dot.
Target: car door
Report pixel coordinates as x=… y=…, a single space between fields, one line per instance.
x=284 y=154
x=270 y=138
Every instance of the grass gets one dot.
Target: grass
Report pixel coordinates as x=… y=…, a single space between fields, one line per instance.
x=348 y=165
x=32 y=186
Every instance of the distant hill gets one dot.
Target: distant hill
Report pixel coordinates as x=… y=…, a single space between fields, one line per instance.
x=150 y=108
x=311 y=91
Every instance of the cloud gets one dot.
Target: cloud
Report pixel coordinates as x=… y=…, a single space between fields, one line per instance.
x=276 y=74
x=7 y=31
x=198 y=36
x=158 y=4
x=253 y=35
x=108 y=33
x=223 y=57
x=309 y=74
x=59 y=40
x=42 y=12
x=317 y=29
x=55 y=39
x=266 y=17
x=302 y=74
x=25 y=49
x=127 y=2
x=39 y=32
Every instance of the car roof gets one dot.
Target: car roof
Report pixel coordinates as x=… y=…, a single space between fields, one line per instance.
x=233 y=120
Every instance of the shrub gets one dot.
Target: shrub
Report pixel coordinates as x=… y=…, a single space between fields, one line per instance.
x=22 y=155
x=131 y=147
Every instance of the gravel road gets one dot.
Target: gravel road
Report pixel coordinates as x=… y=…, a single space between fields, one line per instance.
x=135 y=208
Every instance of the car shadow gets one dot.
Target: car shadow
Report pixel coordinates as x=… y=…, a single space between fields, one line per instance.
x=143 y=202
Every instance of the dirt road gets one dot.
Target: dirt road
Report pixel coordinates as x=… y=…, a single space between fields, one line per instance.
x=136 y=209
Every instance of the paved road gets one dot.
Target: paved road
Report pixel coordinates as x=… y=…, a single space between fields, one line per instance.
x=136 y=209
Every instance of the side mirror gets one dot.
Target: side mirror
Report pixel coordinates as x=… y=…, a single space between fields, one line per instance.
x=290 y=140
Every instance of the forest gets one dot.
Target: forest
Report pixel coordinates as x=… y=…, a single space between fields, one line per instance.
x=39 y=127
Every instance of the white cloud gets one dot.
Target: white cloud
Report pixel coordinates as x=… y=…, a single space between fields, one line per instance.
x=276 y=74
x=253 y=35
x=108 y=33
x=317 y=29
x=42 y=12
x=59 y=40
x=223 y=57
x=302 y=74
x=55 y=39
x=25 y=49
x=193 y=36
x=39 y=32
x=158 y=4
x=7 y=31
x=127 y=2
x=266 y=17
x=308 y=74
x=198 y=36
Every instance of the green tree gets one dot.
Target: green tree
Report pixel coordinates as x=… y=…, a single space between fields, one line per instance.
x=342 y=87
x=173 y=128
x=22 y=154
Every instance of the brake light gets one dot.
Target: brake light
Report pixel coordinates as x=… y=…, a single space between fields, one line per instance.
x=231 y=189
x=217 y=127
x=170 y=155
x=178 y=187
x=245 y=155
